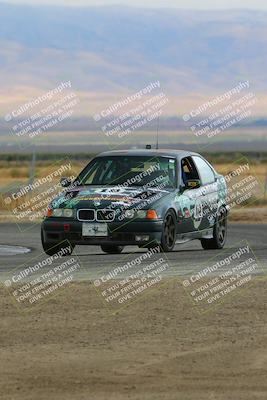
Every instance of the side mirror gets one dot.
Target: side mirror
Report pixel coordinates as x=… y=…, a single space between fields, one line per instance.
x=65 y=182
x=193 y=184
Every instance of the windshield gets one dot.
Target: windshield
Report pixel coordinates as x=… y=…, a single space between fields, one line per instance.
x=130 y=171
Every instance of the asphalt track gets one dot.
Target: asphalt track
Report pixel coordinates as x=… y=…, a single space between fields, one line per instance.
x=185 y=260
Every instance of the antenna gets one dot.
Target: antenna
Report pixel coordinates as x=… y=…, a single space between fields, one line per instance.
x=157 y=146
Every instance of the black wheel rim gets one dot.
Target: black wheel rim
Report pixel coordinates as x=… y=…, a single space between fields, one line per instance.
x=222 y=227
x=169 y=231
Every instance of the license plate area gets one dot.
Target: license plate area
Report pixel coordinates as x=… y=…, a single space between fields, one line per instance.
x=94 y=229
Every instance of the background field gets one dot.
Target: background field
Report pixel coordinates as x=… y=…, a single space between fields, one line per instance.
x=16 y=171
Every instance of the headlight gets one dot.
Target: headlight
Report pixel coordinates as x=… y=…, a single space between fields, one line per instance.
x=130 y=214
x=141 y=214
x=57 y=212
x=68 y=213
x=133 y=214
x=62 y=212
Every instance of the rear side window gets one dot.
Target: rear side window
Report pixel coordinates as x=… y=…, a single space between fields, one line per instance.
x=205 y=171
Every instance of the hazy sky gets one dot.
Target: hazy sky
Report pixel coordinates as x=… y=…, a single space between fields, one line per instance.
x=185 y=4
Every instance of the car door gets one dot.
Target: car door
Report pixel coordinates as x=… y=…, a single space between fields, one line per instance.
x=189 y=200
x=209 y=197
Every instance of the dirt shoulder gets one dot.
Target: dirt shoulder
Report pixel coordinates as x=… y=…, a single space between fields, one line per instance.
x=249 y=214
x=158 y=348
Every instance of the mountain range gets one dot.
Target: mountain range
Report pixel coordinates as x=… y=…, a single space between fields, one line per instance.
x=108 y=52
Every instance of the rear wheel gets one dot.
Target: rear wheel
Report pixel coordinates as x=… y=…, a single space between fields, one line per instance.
x=111 y=249
x=219 y=232
x=168 y=238
x=51 y=248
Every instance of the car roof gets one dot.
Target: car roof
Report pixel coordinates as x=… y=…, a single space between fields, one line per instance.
x=149 y=152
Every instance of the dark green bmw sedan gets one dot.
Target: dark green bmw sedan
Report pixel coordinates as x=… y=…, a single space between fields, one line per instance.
x=147 y=198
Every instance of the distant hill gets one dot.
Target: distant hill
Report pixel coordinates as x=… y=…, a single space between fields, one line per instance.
x=110 y=52
x=116 y=49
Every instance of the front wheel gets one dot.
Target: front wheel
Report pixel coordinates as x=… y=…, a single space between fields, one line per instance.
x=219 y=232
x=111 y=249
x=168 y=238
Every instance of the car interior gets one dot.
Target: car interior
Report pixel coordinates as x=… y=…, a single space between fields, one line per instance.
x=189 y=170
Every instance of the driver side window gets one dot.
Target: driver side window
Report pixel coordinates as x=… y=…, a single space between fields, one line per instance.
x=188 y=169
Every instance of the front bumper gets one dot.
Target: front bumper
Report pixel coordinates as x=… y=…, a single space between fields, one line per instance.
x=56 y=231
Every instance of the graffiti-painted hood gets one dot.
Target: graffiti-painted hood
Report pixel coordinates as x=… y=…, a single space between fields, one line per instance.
x=99 y=197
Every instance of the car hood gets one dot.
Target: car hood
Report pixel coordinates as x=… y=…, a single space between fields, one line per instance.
x=101 y=197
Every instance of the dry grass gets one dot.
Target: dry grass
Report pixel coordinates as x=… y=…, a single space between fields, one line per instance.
x=12 y=172
x=15 y=175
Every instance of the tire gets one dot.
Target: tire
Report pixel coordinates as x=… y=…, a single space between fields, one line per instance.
x=219 y=232
x=51 y=248
x=169 y=230
x=111 y=249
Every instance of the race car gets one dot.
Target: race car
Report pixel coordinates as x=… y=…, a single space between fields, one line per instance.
x=148 y=198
